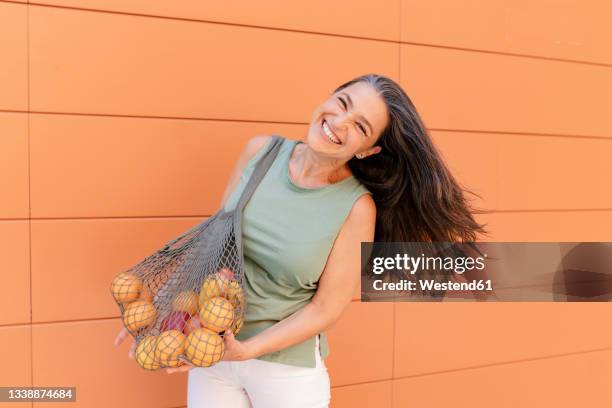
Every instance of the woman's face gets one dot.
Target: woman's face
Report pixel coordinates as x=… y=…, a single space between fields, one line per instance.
x=356 y=117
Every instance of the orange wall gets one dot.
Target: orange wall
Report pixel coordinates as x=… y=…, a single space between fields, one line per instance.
x=120 y=121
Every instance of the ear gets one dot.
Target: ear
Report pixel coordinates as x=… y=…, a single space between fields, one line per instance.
x=374 y=150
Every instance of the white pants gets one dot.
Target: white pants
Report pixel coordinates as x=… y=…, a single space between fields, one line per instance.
x=259 y=384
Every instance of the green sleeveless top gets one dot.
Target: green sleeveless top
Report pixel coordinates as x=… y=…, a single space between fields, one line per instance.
x=288 y=232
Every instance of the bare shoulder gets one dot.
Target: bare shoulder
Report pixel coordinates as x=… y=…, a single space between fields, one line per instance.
x=364 y=209
x=361 y=221
x=254 y=145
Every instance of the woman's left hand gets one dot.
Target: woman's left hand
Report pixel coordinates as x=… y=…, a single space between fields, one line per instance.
x=235 y=350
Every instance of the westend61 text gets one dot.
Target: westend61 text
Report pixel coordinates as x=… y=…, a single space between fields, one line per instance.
x=430 y=284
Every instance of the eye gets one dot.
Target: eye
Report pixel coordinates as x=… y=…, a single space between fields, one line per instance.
x=359 y=124
x=362 y=129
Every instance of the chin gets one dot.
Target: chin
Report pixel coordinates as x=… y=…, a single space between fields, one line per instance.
x=317 y=143
x=313 y=141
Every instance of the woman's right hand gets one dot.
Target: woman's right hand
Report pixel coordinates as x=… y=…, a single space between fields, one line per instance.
x=121 y=336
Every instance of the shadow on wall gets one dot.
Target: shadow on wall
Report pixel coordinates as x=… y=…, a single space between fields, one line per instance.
x=585 y=273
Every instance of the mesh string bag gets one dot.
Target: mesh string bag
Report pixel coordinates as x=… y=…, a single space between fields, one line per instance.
x=178 y=302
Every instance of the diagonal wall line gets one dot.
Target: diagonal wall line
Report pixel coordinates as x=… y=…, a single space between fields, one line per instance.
x=502 y=363
x=195 y=20
x=278 y=122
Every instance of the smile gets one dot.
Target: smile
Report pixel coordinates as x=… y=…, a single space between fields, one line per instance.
x=332 y=138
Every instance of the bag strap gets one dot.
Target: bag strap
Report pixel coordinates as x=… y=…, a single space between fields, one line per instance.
x=261 y=168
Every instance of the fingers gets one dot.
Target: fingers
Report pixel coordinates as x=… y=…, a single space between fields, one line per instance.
x=132 y=351
x=119 y=339
x=179 y=369
x=229 y=335
x=185 y=362
x=121 y=336
x=174 y=370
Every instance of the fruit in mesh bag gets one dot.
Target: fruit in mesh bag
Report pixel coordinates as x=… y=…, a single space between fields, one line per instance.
x=186 y=301
x=126 y=287
x=213 y=286
x=204 y=348
x=145 y=294
x=237 y=325
x=170 y=345
x=139 y=314
x=235 y=295
x=217 y=314
x=175 y=320
x=226 y=273
x=145 y=353
x=193 y=324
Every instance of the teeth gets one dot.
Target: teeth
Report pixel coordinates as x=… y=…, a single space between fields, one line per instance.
x=329 y=134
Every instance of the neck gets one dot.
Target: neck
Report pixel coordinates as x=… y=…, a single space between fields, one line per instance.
x=309 y=170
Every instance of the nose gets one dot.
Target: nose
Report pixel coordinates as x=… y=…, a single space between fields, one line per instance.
x=343 y=120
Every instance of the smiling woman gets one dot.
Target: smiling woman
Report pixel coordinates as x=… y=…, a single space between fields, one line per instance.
x=367 y=169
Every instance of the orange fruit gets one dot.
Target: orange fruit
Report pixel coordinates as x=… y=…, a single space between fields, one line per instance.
x=126 y=287
x=145 y=353
x=139 y=314
x=211 y=287
x=170 y=345
x=193 y=324
x=235 y=294
x=145 y=294
x=186 y=301
x=238 y=322
x=217 y=314
x=226 y=273
x=204 y=348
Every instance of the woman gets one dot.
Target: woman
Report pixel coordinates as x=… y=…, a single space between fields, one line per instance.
x=367 y=171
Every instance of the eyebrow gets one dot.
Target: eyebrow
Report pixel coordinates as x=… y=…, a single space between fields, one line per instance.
x=350 y=104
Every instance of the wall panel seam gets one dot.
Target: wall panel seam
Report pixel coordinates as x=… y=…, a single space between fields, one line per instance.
x=195 y=20
x=383 y=380
x=176 y=217
x=29 y=193
x=510 y=362
x=273 y=122
x=509 y=54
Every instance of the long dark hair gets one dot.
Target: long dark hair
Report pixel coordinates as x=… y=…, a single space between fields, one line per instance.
x=417 y=198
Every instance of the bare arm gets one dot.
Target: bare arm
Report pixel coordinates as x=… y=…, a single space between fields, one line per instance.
x=336 y=287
